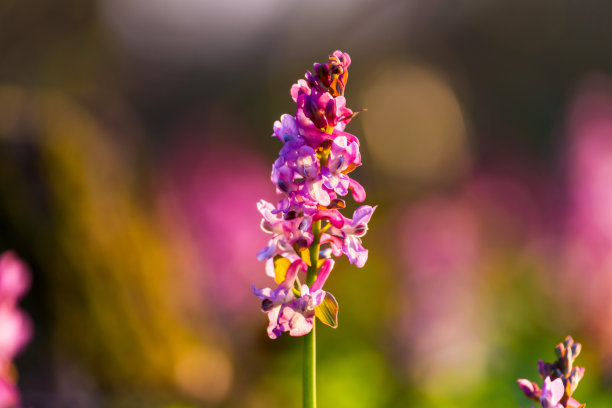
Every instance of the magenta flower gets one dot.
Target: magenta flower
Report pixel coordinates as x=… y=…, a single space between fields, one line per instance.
x=311 y=173
x=321 y=110
x=332 y=76
x=322 y=113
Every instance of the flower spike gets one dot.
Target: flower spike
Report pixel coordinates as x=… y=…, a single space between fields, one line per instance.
x=561 y=378
x=311 y=175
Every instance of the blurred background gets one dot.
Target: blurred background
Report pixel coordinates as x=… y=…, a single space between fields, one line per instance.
x=134 y=145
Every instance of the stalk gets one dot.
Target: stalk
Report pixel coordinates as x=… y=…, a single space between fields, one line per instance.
x=310 y=369
x=309 y=375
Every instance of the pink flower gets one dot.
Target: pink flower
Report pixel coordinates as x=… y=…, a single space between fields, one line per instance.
x=15 y=332
x=557 y=393
x=286 y=231
x=530 y=389
x=310 y=174
x=286 y=129
x=274 y=301
x=296 y=174
x=552 y=392
x=344 y=157
x=351 y=233
x=15 y=326
x=298 y=317
x=9 y=396
x=321 y=110
x=14 y=277
x=332 y=76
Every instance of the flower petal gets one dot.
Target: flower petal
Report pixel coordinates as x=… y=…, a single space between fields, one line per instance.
x=358 y=191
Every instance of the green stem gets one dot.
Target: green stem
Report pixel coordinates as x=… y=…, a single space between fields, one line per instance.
x=311 y=275
x=310 y=369
x=309 y=375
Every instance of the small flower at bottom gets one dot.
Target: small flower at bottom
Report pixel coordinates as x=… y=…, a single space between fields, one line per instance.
x=273 y=302
x=552 y=392
x=298 y=317
x=561 y=378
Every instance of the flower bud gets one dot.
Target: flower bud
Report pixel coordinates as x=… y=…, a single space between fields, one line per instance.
x=330 y=111
x=575 y=377
x=545 y=369
x=530 y=389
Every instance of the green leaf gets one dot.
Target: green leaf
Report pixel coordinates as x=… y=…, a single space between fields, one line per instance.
x=327 y=311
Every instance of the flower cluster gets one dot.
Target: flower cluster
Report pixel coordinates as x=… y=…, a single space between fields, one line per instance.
x=312 y=175
x=15 y=326
x=561 y=378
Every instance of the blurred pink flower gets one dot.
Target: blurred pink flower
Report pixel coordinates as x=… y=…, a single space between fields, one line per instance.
x=14 y=277
x=207 y=200
x=15 y=332
x=15 y=326
x=587 y=251
x=9 y=397
x=440 y=330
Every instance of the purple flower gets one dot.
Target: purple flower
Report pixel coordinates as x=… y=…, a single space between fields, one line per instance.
x=575 y=377
x=297 y=318
x=320 y=101
x=344 y=157
x=286 y=232
x=338 y=65
x=321 y=110
x=552 y=392
x=560 y=378
x=286 y=129
x=273 y=302
x=351 y=232
x=310 y=174
x=530 y=389
x=332 y=76
x=296 y=173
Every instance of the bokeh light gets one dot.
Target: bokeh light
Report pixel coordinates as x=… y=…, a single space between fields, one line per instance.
x=414 y=126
